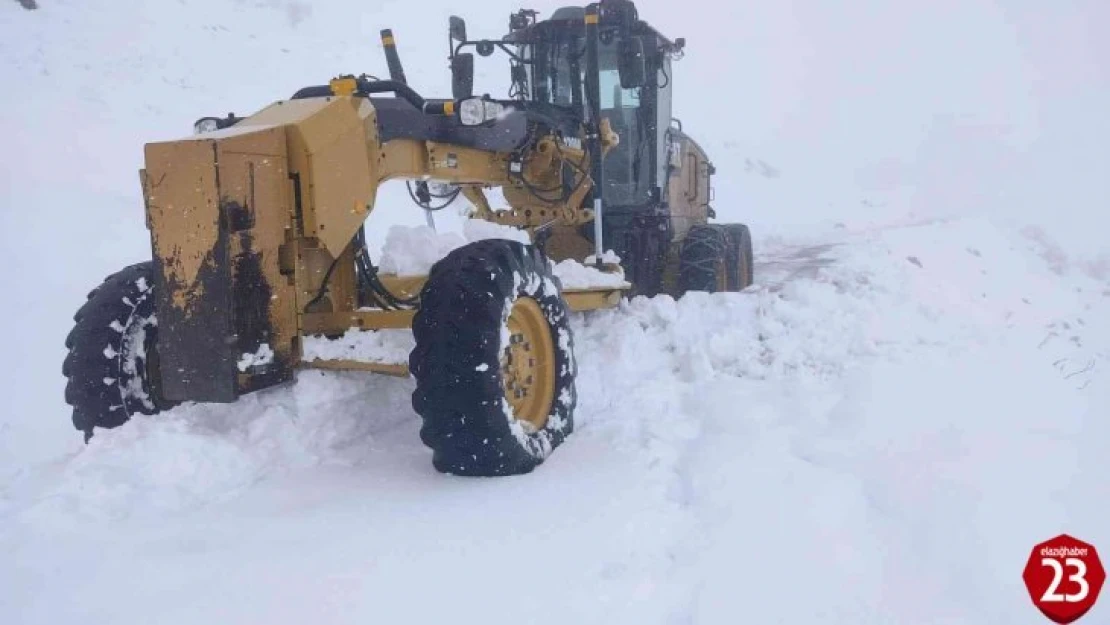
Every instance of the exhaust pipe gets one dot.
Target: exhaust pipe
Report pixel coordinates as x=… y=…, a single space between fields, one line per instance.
x=392 y=59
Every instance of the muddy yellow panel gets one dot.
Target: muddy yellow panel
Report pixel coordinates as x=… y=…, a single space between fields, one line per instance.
x=218 y=207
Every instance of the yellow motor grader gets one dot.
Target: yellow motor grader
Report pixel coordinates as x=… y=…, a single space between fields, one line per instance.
x=256 y=227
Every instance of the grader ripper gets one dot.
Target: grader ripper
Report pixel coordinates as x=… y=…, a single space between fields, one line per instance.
x=257 y=235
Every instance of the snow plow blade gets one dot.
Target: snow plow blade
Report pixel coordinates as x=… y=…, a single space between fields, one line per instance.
x=221 y=300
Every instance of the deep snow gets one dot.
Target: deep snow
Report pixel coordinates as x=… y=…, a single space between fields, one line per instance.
x=912 y=395
x=876 y=432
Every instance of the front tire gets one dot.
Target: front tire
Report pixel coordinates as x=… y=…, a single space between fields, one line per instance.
x=112 y=361
x=494 y=361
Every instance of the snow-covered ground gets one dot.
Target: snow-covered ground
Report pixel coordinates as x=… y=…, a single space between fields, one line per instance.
x=916 y=390
x=874 y=433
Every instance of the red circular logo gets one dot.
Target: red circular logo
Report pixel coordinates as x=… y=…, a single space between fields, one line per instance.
x=1064 y=577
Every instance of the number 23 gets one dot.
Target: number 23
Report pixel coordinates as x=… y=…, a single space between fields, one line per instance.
x=1080 y=577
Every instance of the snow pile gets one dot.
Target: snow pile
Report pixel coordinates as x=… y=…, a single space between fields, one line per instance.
x=478 y=229
x=411 y=251
x=888 y=414
x=575 y=275
x=586 y=275
x=609 y=257
x=383 y=346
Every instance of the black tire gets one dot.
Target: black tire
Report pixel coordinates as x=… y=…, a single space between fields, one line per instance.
x=742 y=257
x=467 y=421
x=704 y=260
x=113 y=351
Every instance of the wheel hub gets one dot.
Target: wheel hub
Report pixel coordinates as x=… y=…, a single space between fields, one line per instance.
x=528 y=364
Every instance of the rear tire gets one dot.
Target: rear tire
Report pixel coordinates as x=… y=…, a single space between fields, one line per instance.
x=466 y=336
x=704 y=260
x=112 y=359
x=742 y=257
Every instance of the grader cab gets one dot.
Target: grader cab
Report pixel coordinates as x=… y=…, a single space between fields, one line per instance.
x=258 y=241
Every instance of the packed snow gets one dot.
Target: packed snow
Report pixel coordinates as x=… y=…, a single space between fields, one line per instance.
x=914 y=392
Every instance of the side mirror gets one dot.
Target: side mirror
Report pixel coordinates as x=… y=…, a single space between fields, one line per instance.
x=462 y=76
x=457 y=28
x=632 y=63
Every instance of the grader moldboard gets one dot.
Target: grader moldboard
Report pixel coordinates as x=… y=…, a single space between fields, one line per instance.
x=257 y=234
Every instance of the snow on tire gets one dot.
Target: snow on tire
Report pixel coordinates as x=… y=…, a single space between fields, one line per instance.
x=111 y=352
x=491 y=401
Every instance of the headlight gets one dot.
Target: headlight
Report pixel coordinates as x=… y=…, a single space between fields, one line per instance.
x=478 y=111
x=206 y=124
x=472 y=112
x=493 y=110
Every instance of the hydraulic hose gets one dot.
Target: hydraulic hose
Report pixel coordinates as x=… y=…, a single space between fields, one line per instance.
x=367 y=87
